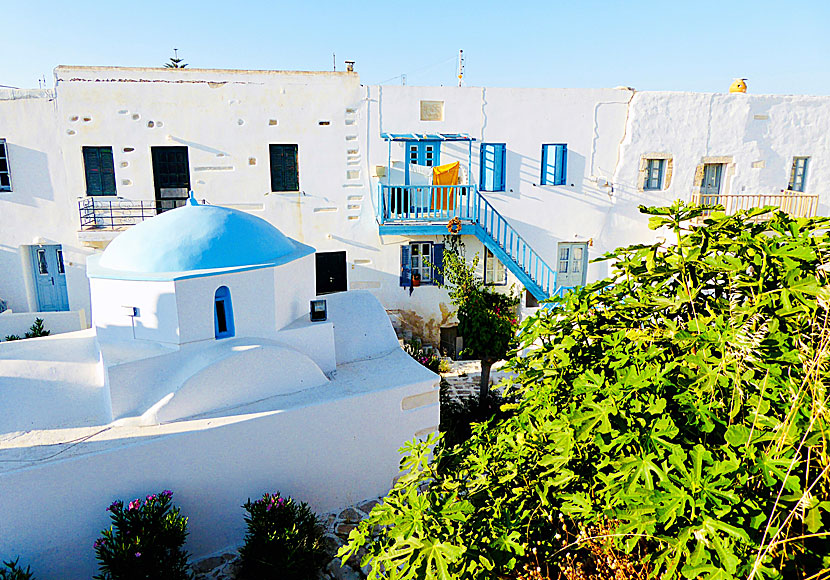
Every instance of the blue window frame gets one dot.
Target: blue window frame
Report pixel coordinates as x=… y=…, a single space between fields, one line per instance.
x=554 y=164
x=655 y=168
x=492 y=167
x=223 y=313
x=5 y=175
x=427 y=153
x=424 y=260
x=798 y=174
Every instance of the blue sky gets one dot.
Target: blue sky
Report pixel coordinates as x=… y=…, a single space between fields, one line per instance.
x=781 y=47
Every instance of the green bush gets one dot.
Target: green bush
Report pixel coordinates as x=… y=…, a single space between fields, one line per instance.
x=13 y=337
x=680 y=405
x=11 y=570
x=37 y=329
x=458 y=416
x=284 y=540
x=144 y=541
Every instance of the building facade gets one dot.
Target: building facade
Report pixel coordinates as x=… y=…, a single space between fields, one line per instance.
x=548 y=179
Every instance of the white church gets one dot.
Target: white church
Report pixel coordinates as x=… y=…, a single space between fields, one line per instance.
x=212 y=369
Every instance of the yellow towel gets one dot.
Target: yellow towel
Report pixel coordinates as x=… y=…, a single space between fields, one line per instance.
x=443 y=199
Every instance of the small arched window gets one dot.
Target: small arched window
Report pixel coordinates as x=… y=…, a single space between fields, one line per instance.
x=223 y=313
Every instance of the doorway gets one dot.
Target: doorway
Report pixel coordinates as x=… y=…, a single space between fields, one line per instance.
x=710 y=187
x=49 y=277
x=171 y=176
x=573 y=263
x=331 y=272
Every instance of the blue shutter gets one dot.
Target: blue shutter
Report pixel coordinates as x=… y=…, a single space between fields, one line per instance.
x=405 y=266
x=544 y=180
x=561 y=165
x=484 y=174
x=438 y=264
x=498 y=178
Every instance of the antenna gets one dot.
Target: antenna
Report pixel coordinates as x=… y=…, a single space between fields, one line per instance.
x=460 y=66
x=403 y=80
x=333 y=62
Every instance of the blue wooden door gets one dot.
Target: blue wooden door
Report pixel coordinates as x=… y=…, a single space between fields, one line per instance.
x=422 y=153
x=49 y=275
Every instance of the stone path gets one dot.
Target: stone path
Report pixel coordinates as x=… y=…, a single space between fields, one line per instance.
x=464 y=377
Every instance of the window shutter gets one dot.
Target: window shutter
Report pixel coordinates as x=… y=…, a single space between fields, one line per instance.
x=405 y=266
x=498 y=178
x=544 y=165
x=107 y=170
x=285 y=175
x=92 y=168
x=438 y=263
x=561 y=165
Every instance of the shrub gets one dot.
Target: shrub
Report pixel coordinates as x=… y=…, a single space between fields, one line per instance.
x=458 y=416
x=37 y=329
x=680 y=405
x=13 y=337
x=284 y=540
x=10 y=570
x=144 y=541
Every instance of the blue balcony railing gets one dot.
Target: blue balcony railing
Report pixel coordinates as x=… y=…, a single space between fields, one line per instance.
x=425 y=203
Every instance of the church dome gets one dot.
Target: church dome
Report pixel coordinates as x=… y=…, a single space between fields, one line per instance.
x=198 y=237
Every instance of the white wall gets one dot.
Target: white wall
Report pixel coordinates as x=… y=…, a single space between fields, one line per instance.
x=19 y=323
x=765 y=130
x=37 y=206
x=329 y=454
x=157 y=318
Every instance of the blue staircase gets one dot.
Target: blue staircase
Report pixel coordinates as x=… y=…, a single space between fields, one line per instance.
x=426 y=209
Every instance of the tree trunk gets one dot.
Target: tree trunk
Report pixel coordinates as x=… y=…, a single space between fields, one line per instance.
x=484 y=386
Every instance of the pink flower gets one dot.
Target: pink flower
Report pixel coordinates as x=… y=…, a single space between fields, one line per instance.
x=138 y=554
x=134 y=505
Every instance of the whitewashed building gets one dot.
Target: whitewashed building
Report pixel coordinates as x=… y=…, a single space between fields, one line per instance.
x=549 y=178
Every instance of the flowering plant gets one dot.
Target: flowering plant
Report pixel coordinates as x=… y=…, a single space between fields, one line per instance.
x=429 y=359
x=284 y=540
x=144 y=541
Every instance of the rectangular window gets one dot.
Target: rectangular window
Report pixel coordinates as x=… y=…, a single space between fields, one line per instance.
x=554 y=164
x=492 y=166
x=285 y=173
x=5 y=174
x=655 y=169
x=100 y=171
x=422 y=261
x=494 y=271
x=798 y=174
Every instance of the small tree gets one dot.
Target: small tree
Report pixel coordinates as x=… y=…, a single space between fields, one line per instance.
x=486 y=319
x=175 y=61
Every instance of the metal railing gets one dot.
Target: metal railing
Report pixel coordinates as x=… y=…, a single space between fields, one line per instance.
x=795 y=203
x=514 y=246
x=425 y=203
x=117 y=214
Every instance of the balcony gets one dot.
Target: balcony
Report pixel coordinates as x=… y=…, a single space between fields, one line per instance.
x=426 y=204
x=103 y=219
x=795 y=203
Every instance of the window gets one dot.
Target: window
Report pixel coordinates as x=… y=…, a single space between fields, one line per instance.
x=223 y=313
x=330 y=268
x=285 y=174
x=492 y=167
x=655 y=169
x=42 y=266
x=5 y=175
x=798 y=174
x=100 y=171
x=494 y=271
x=61 y=269
x=554 y=164
x=421 y=264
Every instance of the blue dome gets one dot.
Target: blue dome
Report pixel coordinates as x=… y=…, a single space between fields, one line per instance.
x=197 y=237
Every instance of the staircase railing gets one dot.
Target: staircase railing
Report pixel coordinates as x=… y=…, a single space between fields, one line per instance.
x=531 y=267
